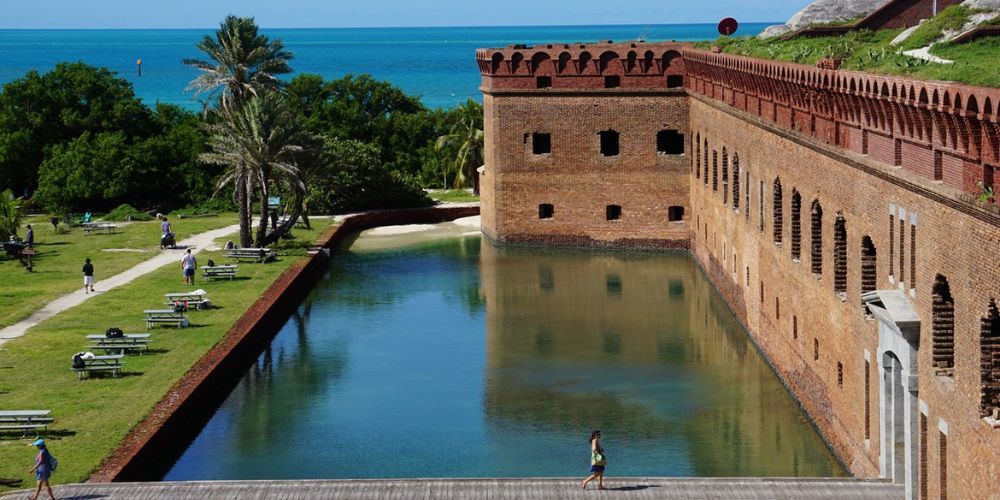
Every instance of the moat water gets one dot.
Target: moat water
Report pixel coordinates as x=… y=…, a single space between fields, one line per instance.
x=450 y=357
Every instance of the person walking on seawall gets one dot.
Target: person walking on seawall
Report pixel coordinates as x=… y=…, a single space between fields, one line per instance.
x=597 y=461
x=29 y=237
x=188 y=265
x=88 y=276
x=42 y=469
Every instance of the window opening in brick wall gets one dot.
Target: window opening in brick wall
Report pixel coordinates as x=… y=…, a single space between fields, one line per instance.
x=543 y=82
x=943 y=460
x=706 y=164
x=840 y=374
x=795 y=327
x=892 y=241
x=989 y=346
x=613 y=212
x=609 y=142
x=545 y=211
x=761 y=292
x=725 y=177
x=840 y=256
x=943 y=326
x=675 y=214
x=869 y=263
x=761 y=203
x=675 y=81
x=816 y=244
x=612 y=81
x=922 y=481
x=697 y=158
x=777 y=308
x=989 y=177
x=748 y=276
x=815 y=349
x=777 y=211
x=796 y=225
x=938 y=166
x=541 y=143
x=670 y=142
x=902 y=249
x=864 y=142
x=913 y=256
x=897 y=155
x=715 y=170
x=734 y=263
x=736 y=182
x=868 y=406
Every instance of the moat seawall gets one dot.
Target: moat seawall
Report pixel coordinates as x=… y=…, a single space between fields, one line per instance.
x=834 y=211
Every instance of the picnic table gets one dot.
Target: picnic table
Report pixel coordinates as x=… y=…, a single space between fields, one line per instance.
x=223 y=271
x=111 y=362
x=168 y=316
x=136 y=342
x=106 y=227
x=24 y=420
x=197 y=299
x=254 y=254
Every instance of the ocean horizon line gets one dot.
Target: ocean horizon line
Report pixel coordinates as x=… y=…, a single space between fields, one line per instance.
x=415 y=28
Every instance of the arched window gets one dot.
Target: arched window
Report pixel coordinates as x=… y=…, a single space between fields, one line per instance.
x=777 y=211
x=989 y=346
x=943 y=326
x=869 y=270
x=796 y=225
x=816 y=245
x=840 y=255
x=736 y=182
x=725 y=176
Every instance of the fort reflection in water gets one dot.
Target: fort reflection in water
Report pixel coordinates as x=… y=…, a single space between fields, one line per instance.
x=455 y=358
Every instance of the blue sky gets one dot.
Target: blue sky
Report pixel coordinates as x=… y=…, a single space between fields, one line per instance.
x=26 y=14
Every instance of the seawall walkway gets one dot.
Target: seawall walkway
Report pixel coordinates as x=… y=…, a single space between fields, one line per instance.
x=541 y=488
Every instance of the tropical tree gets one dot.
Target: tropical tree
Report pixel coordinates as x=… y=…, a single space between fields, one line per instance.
x=467 y=135
x=260 y=145
x=242 y=63
x=10 y=214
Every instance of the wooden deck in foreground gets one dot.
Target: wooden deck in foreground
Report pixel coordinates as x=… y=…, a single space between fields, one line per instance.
x=404 y=489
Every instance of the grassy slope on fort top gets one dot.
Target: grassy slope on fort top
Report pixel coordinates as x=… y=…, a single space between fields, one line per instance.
x=60 y=258
x=976 y=62
x=93 y=416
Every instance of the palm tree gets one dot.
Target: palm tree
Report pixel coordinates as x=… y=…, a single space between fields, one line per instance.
x=10 y=214
x=467 y=134
x=260 y=145
x=242 y=63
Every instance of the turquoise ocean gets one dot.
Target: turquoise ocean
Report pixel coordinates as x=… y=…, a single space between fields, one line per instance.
x=438 y=64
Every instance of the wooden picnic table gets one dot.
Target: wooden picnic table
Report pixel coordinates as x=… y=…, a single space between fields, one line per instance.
x=24 y=420
x=255 y=254
x=122 y=344
x=188 y=299
x=107 y=227
x=223 y=271
x=110 y=362
x=154 y=316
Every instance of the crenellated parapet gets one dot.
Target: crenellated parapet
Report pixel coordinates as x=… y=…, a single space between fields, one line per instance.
x=943 y=131
x=632 y=65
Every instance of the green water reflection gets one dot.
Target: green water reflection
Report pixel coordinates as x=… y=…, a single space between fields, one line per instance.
x=456 y=358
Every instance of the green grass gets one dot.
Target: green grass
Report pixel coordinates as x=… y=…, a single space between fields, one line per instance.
x=949 y=19
x=976 y=63
x=453 y=195
x=60 y=257
x=93 y=416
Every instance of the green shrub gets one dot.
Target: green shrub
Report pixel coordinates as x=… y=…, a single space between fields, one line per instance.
x=126 y=212
x=217 y=204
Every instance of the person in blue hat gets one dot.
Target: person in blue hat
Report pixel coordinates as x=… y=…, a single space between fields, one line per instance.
x=42 y=469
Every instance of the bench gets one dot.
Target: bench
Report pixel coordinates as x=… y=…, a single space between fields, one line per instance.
x=166 y=316
x=252 y=254
x=121 y=345
x=23 y=427
x=89 y=228
x=225 y=271
x=110 y=363
x=189 y=300
x=24 y=420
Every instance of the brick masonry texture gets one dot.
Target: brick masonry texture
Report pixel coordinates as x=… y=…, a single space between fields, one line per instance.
x=860 y=146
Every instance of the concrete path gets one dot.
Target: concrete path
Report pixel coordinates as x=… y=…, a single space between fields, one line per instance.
x=404 y=489
x=197 y=243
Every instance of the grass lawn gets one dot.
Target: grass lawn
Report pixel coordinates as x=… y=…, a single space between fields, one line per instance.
x=60 y=257
x=453 y=195
x=92 y=416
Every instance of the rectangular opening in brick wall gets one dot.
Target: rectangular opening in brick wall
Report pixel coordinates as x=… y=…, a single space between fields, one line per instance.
x=869 y=263
x=913 y=256
x=943 y=460
x=748 y=276
x=670 y=142
x=942 y=326
x=613 y=212
x=902 y=249
x=795 y=327
x=761 y=196
x=989 y=356
x=898 y=153
x=815 y=349
x=840 y=256
x=796 y=225
x=761 y=292
x=715 y=170
x=840 y=374
x=868 y=406
x=989 y=177
x=546 y=211
x=922 y=480
x=675 y=213
x=892 y=239
x=612 y=81
x=609 y=142
x=777 y=212
x=938 y=166
x=543 y=82
x=541 y=143
x=675 y=81
x=816 y=245
x=746 y=208
x=777 y=308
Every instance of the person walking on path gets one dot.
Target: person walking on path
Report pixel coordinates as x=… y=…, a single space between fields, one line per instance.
x=29 y=237
x=188 y=265
x=88 y=276
x=165 y=226
x=44 y=465
x=597 y=461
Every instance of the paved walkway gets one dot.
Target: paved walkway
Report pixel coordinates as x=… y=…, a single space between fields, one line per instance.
x=405 y=489
x=197 y=243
